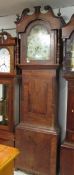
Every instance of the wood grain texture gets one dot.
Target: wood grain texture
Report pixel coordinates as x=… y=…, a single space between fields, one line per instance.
x=67 y=159
x=37 y=133
x=38 y=152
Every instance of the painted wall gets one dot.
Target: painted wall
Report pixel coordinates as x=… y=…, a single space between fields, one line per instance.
x=62 y=111
x=8 y=22
x=66 y=12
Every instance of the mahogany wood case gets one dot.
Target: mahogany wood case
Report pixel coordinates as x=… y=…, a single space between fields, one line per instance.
x=37 y=134
x=67 y=147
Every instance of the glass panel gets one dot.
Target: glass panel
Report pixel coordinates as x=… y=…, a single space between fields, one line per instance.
x=38 y=44
x=3 y=104
x=4 y=60
x=70 y=53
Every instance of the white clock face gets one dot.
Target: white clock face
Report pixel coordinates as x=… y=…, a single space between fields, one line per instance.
x=4 y=60
x=38 y=44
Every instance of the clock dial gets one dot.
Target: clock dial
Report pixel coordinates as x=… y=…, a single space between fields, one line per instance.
x=4 y=60
x=38 y=44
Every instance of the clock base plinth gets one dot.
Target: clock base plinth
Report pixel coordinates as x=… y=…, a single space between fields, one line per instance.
x=67 y=159
x=38 y=149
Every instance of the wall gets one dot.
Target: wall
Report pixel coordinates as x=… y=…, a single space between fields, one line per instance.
x=8 y=22
x=62 y=112
x=66 y=12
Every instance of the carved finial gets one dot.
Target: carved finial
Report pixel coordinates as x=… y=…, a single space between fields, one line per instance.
x=59 y=13
x=47 y=7
x=37 y=9
x=2 y=30
x=25 y=11
x=17 y=17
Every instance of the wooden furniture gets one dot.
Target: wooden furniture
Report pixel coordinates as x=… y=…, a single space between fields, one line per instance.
x=7 y=79
x=40 y=58
x=67 y=147
x=7 y=156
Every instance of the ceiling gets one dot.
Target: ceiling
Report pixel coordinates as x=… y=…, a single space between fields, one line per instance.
x=11 y=7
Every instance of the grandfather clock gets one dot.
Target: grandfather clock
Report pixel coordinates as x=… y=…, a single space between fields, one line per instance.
x=67 y=148
x=7 y=76
x=40 y=59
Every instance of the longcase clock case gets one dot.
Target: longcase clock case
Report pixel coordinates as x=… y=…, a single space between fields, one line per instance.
x=7 y=81
x=67 y=147
x=40 y=58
